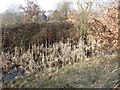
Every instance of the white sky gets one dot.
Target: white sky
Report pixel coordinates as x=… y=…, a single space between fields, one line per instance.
x=44 y=4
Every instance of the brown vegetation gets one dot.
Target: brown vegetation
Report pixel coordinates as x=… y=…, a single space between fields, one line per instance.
x=50 y=45
x=35 y=33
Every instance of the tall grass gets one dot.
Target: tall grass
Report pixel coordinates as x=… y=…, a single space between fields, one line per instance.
x=100 y=72
x=38 y=57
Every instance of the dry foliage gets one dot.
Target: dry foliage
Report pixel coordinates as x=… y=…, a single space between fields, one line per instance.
x=105 y=27
x=31 y=10
x=38 y=58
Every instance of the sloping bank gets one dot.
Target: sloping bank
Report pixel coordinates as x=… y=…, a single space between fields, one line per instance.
x=100 y=72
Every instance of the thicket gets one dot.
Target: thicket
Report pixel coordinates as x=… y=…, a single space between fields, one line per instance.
x=42 y=45
x=23 y=35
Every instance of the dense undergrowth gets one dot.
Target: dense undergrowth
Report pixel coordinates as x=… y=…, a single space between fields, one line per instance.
x=53 y=60
x=80 y=52
x=36 y=33
x=95 y=72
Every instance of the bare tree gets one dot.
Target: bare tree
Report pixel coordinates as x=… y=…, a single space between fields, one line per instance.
x=84 y=9
x=83 y=26
x=64 y=8
x=62 y=11
x=31 y=10
x=12 y=15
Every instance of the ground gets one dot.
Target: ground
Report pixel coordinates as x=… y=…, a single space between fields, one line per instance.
x=100 y=72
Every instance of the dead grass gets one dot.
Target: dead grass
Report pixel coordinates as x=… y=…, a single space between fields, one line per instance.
x=97 y=72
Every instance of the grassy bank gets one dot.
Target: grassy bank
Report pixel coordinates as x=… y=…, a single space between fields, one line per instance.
x=100 y=72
